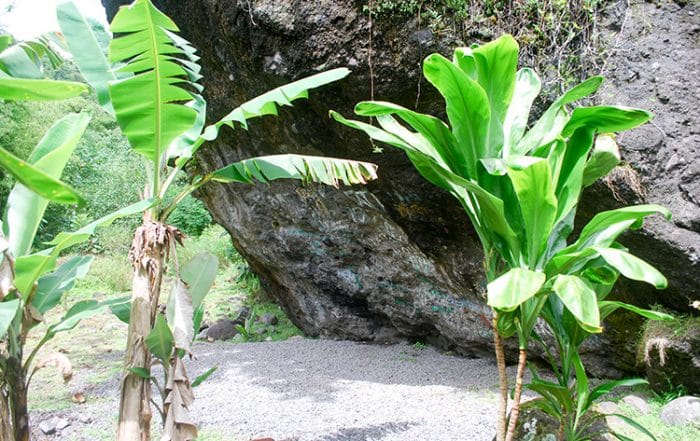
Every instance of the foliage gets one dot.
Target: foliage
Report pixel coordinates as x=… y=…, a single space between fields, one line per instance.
x=191 y=216
x=101 y=155
x=150 y=81
x=246 y=329
x=31 y=284
x=520 y=189
x=559 y=37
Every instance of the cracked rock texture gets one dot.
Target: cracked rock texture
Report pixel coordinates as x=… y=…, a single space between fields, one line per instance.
x=398 y=257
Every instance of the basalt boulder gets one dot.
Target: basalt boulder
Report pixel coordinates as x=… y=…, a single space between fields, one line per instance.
x=397 y=258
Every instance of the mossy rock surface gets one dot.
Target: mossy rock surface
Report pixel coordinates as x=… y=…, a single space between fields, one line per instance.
x=670 y=353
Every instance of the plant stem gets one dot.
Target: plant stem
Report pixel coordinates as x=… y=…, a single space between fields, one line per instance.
x=148 y=257
x=15 y=380
x=512 y=424
x=502 y=380
x=5 y=420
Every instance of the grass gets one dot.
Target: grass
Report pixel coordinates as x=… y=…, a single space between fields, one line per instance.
x=655 y=425
x=96 y=346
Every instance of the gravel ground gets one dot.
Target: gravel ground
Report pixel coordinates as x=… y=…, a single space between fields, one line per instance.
x=322 y=390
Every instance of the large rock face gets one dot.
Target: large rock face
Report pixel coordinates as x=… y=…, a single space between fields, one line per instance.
x=398 y=257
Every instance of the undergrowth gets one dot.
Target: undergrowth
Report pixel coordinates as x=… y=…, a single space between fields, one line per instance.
x=558 y=38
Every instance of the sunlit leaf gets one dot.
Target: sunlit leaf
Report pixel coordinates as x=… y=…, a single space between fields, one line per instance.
x=160 y=339
x=51 y=287
x=22 y=89
x=329 y=171
x=38 y=181
x=510 y=290
x=8 y=310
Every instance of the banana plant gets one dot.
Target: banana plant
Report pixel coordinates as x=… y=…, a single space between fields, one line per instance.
x=520 y=187
x=32 y=282
x=150 y=80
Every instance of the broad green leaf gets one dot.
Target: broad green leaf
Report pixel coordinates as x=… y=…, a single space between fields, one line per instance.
x=568 y=262
x=329 y=171
x=439 y=141
x=160 y=339
x=580 y=300
x=121 y=308
x=64 y=240
x=25 y=209
x=467 y=108
x=38 y=181
x=140 y=372
x=79 y=311
x=5 y=41
x=8 y=310
x=607 y=307
x=88 y=55
x=489 y=217
x=377 y=133
x=17 y=62
x=604 y=157
x=513 y=288
x=147 y=104
x=199 y=274
x=21 y=89
x=430 y=167
x=550 y=124
x=555 y=393
x=201 y=378
x=184 y=146
x=51 y=287
x=266 y=104
x=198 y=317
x=496 y=63
x=414 y=141
x=632 y=267
x=532 y=181
x=609 y=386
x=571 y=170
x=30 y=267
x=606 y=226
x=606 y=119
x=527 y=87
x=582 y=389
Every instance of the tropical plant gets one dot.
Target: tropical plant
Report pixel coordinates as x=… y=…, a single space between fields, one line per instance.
x=150 y=82
x=520 y=188
x=33 y=283
x=569 y=399
x=246 y=329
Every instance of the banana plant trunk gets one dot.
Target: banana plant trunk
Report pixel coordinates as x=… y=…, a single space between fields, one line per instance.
x=14 y=424
x=148 y=255
x=5 y=418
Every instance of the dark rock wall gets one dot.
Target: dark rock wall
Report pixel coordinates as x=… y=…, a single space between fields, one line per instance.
x=398 y=257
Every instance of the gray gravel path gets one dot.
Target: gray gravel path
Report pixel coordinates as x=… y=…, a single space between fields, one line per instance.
x=318 y=390
x=322 y=390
